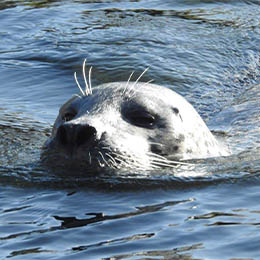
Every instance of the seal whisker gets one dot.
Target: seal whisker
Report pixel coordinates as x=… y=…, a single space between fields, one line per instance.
x=171 y=163
x=89 y=80
x=106 y=148
x=160 y=159
x=103 y=158
x=148 y=82
x=155 y=155
x=76 y=79
x=126 y=85
x=87 y=90
x=132 y=88
x=121 y=160
x=100 y=164
x=111 y=159
x=156 y=143
x=137 y=90
x=90 y=159
x=132 y=162
x=77 y=96
x=158 y=162
x=141 y=75
x=161 y=164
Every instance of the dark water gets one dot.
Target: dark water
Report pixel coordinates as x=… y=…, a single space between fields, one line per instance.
x=208 y=51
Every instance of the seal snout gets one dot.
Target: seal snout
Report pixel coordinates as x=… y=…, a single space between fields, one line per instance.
x=75 y=135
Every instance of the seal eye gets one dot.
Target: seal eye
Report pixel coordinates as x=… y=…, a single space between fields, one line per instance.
x=142 y=119
x=68 y=116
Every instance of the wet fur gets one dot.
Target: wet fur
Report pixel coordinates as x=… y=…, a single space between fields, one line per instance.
x=120 y=152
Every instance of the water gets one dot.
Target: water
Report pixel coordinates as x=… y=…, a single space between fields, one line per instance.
x=207 y=51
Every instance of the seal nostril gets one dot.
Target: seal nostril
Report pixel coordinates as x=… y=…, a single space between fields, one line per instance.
x=75 y=134
x=85 y=133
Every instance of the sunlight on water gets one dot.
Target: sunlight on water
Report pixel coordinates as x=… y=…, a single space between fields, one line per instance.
x=208 y=51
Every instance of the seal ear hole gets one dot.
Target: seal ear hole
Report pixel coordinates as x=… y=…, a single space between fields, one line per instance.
x=175 y=110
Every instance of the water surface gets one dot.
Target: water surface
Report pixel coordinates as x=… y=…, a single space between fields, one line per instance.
x=208 y=51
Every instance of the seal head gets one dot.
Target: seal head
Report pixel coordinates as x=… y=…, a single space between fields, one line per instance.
x=128 y=125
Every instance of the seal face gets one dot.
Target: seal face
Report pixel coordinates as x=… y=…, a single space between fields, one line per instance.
x=146 y=127
x=128 y=125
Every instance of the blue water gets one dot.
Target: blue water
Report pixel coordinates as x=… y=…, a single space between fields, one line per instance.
x=208 y=51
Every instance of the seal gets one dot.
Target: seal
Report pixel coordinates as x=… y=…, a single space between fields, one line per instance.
x=129 y=124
